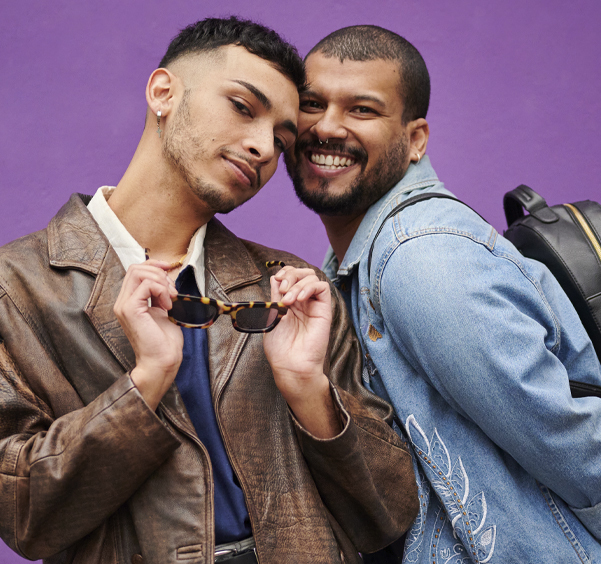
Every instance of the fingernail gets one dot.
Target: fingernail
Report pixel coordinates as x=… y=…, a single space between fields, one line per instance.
x=284 y=286
x=301 y=295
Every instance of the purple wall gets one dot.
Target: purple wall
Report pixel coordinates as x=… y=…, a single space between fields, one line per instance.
x=515 y=99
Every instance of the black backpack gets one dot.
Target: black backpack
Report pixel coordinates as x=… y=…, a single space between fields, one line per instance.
x=565 y=238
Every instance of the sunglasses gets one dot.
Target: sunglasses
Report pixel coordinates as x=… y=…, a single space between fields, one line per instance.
x=198 y=312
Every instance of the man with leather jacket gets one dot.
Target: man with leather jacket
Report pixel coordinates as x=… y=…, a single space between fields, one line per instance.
x=127 y=438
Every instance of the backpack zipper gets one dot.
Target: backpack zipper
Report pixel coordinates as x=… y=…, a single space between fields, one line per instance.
x=581 y=220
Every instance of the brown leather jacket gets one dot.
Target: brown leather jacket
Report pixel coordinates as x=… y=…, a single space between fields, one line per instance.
x=88 y=473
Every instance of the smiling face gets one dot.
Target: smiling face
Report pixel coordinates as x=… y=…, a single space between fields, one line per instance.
x=353 y=146
x=233 y=116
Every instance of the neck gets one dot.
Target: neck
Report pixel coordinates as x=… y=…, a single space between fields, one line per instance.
x=157 y=207
x=340 y=231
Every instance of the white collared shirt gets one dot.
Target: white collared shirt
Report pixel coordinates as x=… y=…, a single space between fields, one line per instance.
x=129 y=250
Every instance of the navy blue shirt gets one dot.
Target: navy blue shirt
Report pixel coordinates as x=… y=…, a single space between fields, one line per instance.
x=232 y=522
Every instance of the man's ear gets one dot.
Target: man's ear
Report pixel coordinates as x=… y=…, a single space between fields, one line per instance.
x=160 y=91
x=419 y=132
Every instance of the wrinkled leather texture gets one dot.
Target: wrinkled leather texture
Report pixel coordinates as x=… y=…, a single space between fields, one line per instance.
x=89 y=474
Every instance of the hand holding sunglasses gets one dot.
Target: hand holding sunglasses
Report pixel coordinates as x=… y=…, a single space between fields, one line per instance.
x=198 y=312
x=297 y=349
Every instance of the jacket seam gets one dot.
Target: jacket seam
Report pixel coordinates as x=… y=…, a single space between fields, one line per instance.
x=15 y=500
x=397 y=242
x=555 y=511
x=382 y=263
x=53 y=455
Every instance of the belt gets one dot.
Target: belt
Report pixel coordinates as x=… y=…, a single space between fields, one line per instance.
x=241 y=552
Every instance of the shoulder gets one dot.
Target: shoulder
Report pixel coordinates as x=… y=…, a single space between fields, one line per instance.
x=23 y=258
x=430 y=234
x=442 y=215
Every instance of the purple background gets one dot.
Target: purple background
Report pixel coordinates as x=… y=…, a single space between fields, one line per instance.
x=515 y=98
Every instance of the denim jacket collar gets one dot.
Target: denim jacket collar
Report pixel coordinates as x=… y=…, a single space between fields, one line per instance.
x=418 y=175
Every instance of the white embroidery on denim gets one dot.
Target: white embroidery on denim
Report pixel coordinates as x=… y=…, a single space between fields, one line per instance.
x=467 y=516
x=415 y=535
x=454 y=555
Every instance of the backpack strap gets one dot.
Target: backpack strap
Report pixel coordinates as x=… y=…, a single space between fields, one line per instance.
x=525 y=197
x=409 y=202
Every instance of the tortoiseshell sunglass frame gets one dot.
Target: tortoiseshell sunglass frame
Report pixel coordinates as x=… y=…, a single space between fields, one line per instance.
x=232 y=309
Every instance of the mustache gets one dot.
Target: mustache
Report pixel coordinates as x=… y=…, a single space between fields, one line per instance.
x=359 y=154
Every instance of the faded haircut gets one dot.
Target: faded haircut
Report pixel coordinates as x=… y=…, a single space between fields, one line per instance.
x=211 y=33
x=369 y=43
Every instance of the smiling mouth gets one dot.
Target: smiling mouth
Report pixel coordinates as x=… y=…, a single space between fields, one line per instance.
x=331 y=162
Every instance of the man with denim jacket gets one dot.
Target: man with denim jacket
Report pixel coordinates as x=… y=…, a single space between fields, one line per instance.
x=472 y=343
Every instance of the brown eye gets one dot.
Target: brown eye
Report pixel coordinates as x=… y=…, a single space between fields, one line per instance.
x=310 y=105
x=241 y=108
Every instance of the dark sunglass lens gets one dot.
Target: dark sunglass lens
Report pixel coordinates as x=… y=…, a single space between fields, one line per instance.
x=256 y=318
x=192 y=313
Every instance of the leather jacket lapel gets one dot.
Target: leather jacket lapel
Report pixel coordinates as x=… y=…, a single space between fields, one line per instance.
x=75 y=242
x=231 y=275
x=99 y=309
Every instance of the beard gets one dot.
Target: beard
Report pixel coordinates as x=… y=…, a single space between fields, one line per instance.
x=364 y=191
x=181 y=148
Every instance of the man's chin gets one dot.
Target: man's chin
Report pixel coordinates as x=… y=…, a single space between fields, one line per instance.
x=321 y=201
x=214 y=200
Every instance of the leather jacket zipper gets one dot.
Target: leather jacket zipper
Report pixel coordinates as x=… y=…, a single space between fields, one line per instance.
x=195 y=439
x=588 y=231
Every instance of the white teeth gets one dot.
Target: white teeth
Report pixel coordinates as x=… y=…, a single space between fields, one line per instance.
x=331 y=163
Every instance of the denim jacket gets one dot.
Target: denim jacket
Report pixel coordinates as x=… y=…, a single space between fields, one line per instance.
x=474 y=344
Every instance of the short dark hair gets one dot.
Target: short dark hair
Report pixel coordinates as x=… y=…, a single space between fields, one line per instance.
x=211 y=33
x=371 y=42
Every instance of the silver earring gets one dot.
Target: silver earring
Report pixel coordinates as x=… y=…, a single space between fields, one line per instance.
x=419 y=158
x=159 y=130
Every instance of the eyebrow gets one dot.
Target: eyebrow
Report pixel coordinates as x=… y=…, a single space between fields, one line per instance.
x=356 y=98
x=290 y=127
x=266 y=103
x=368 y=98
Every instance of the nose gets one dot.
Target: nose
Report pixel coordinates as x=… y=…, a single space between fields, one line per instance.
x=330 y=125
x=260 y=144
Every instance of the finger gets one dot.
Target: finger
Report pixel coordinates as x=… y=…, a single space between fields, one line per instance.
x=276 y=296
x=289 y=276
x=127 y=306
x=137 y=273
x=305 y=289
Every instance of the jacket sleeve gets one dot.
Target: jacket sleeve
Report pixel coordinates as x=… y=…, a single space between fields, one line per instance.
x=364 y=475
x=498 y=339
x=61 y=478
